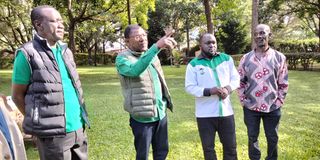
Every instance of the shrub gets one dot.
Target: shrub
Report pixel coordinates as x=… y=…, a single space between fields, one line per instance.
x=306 y=60
x=102 y=58
x=293 y=46
x=193 y=50
x=231 y=37
x=6 y=62
x=6 y=58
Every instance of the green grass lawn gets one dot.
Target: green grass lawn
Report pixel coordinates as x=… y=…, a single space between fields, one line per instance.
x=110 y=136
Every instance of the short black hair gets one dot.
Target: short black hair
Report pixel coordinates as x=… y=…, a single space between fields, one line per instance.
x=128 y=30
x=202 y=35
x=36 y=14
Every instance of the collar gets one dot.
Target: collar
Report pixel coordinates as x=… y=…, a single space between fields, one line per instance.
x=265 y=51
x=264 y=54
x=44 y=42
x=134 y=53
x=201 y=56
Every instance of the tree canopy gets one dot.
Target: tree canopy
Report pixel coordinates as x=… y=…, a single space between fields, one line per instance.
x=89 y=24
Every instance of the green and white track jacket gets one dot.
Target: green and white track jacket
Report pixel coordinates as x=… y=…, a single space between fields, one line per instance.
x=204 y=73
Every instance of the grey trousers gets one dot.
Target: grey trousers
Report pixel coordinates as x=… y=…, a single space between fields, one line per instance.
x=73 y=146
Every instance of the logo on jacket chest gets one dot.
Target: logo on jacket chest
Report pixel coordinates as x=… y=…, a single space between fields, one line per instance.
x=201 y=71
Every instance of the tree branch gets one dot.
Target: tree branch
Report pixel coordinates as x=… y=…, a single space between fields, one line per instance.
x=8 y=42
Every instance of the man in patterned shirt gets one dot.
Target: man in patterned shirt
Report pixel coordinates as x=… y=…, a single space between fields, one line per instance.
x=263 y=88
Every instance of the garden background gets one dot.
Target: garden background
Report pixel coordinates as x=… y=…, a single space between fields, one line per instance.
x=94 y=32
x=110 y=136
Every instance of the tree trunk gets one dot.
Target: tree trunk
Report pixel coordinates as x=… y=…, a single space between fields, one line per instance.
x=207 y=11
x=103 y=46
x=72 y=44
x=95 y=53
x=128 y=11
x=72 y=26
x=188 y=38
x=90 y=56
x=254 y=23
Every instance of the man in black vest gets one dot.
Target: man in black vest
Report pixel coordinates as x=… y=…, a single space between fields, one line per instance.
x=47 y=90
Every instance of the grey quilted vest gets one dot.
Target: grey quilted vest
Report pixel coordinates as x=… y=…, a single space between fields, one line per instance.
x=138 y=92
x=44 y=100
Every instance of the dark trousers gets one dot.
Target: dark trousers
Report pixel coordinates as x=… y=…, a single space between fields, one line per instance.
x=155 y=133
x=73 y=146
x=270 y=124
x=225 y=127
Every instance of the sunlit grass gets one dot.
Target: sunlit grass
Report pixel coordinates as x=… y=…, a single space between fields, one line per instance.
x=110 y=136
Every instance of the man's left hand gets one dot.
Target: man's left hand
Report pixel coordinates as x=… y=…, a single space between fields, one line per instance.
x=223 y=93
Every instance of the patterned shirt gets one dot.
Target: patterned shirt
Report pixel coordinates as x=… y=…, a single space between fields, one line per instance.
x=263 y=81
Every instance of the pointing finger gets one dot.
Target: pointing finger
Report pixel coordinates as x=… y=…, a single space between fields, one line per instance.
x=170 y=33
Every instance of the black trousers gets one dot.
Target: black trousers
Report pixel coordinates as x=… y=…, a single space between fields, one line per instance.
x=270 y=123
x=73 y=146
x=225 y=127
x=155 y=133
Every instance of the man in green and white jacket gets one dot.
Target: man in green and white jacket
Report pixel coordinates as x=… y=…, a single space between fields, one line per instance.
x=211 y=77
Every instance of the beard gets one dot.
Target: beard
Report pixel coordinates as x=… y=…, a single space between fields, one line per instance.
x=209 y=54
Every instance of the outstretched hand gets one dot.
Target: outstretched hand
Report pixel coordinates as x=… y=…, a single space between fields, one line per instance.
x=167 y=41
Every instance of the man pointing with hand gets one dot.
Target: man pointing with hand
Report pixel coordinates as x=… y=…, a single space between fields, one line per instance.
x=145 y=92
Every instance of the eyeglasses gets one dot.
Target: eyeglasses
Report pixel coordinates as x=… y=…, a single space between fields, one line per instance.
x=138 y=37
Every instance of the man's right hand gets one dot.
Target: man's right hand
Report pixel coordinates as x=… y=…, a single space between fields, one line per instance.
x=167 y=41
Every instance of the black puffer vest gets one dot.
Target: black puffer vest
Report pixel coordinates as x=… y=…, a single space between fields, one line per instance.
x=44 y=100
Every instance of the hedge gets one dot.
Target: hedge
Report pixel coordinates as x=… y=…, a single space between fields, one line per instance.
x=294 y=46
x=80 y=59
x=101 y=58
x=6 y=62
x=295 y=61
x=306 y=60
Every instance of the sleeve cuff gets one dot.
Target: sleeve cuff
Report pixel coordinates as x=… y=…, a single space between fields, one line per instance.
x=154 y=48
x=206 y=92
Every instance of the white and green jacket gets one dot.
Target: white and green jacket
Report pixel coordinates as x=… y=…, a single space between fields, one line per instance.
x=202 y=74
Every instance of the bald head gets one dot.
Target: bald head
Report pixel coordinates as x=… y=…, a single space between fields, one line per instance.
x=264 y=27
x=262 y=34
